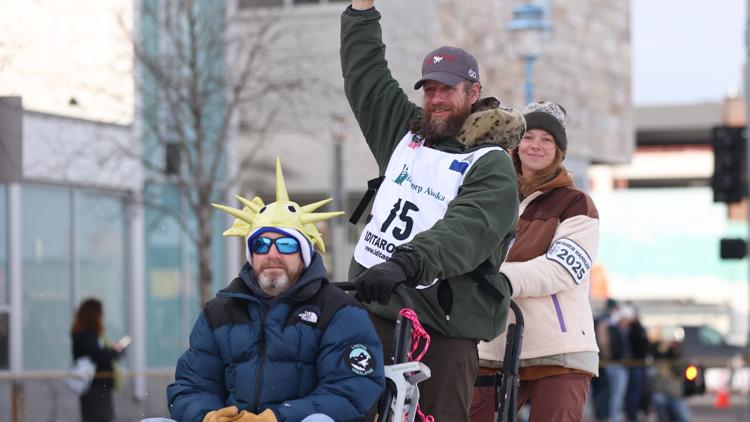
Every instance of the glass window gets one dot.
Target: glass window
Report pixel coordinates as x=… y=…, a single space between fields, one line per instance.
x=46 y=257
x=164 y=331
x=4 y=280
x=708 y=335
x=172 y=296
x=101 y=257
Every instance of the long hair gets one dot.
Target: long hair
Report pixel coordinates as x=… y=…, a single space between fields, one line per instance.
x=89 y=317
x=528 y=183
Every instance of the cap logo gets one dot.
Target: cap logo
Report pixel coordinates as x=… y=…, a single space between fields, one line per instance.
x=438 y=58
x=472 y=73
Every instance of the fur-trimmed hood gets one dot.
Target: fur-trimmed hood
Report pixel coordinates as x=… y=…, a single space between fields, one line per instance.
x=492 y=123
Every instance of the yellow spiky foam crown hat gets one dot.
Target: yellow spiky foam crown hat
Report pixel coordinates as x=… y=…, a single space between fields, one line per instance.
x=282 y=216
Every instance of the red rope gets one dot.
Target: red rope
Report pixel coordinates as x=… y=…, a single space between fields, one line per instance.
x=418 y=333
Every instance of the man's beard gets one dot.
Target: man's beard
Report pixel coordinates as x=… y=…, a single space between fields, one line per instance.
x=274 y=284
x=436 y=130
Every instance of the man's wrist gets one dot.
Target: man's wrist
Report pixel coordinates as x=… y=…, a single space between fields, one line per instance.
x=407 y=266
x=362 y=4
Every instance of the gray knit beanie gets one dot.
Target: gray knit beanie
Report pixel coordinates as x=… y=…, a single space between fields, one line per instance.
x=550 y=117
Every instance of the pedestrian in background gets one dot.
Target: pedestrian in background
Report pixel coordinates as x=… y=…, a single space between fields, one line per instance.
x=668 y=384
x=617 y=359
x=640 y=355
x=548 y=268
x=89 y=340
x=600 y=386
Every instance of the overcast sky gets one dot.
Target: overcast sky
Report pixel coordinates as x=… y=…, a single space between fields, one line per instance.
x=687 y=51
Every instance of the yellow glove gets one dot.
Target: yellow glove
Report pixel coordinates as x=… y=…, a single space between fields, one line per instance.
x=266 y=416
x=227 y=414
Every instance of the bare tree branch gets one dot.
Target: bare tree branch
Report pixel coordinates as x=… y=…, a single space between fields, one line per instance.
x=189 y=99
x=189 y=102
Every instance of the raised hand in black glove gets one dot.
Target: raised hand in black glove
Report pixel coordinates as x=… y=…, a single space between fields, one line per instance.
x=379 y=281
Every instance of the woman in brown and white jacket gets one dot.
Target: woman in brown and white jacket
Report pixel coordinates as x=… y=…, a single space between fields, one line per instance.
x=548 y=268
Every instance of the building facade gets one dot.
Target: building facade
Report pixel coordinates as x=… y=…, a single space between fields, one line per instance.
x=68 y=230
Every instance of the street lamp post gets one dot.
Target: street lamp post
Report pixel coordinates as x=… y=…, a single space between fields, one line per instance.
x=529 y=28
x=338 y=229
x=528 y=77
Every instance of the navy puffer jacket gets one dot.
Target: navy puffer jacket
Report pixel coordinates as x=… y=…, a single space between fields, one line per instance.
x=314 y=350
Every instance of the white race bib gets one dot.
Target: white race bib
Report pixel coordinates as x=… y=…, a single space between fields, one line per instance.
x=418 y=185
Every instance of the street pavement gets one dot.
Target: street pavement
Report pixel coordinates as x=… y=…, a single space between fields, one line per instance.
x=703 y=409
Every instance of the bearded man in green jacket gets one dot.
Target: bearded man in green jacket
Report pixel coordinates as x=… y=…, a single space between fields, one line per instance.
x=445 y=211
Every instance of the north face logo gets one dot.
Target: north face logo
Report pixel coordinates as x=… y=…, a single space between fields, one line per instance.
x=308 y=316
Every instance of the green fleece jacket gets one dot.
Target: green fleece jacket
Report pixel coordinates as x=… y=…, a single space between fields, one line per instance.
x=471 y=234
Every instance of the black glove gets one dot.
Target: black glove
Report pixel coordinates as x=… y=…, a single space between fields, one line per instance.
x=379 y=281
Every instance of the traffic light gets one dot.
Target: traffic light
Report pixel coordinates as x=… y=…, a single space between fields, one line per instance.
x=732 y=248
x=729 y=180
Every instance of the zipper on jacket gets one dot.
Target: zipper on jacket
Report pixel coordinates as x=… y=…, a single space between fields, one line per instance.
x=261 y=361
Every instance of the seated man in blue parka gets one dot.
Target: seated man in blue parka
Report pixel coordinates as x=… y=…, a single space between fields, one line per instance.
x=279 y=343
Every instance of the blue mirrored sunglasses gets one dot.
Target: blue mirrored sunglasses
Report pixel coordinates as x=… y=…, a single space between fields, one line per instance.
x=285 y=245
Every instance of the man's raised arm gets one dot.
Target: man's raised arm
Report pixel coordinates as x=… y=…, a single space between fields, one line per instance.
x=380 y=106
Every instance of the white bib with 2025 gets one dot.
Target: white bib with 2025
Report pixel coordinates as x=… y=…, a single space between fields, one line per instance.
x=418 y=185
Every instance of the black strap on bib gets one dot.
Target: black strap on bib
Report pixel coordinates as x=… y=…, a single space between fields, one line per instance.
x=372 y=188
